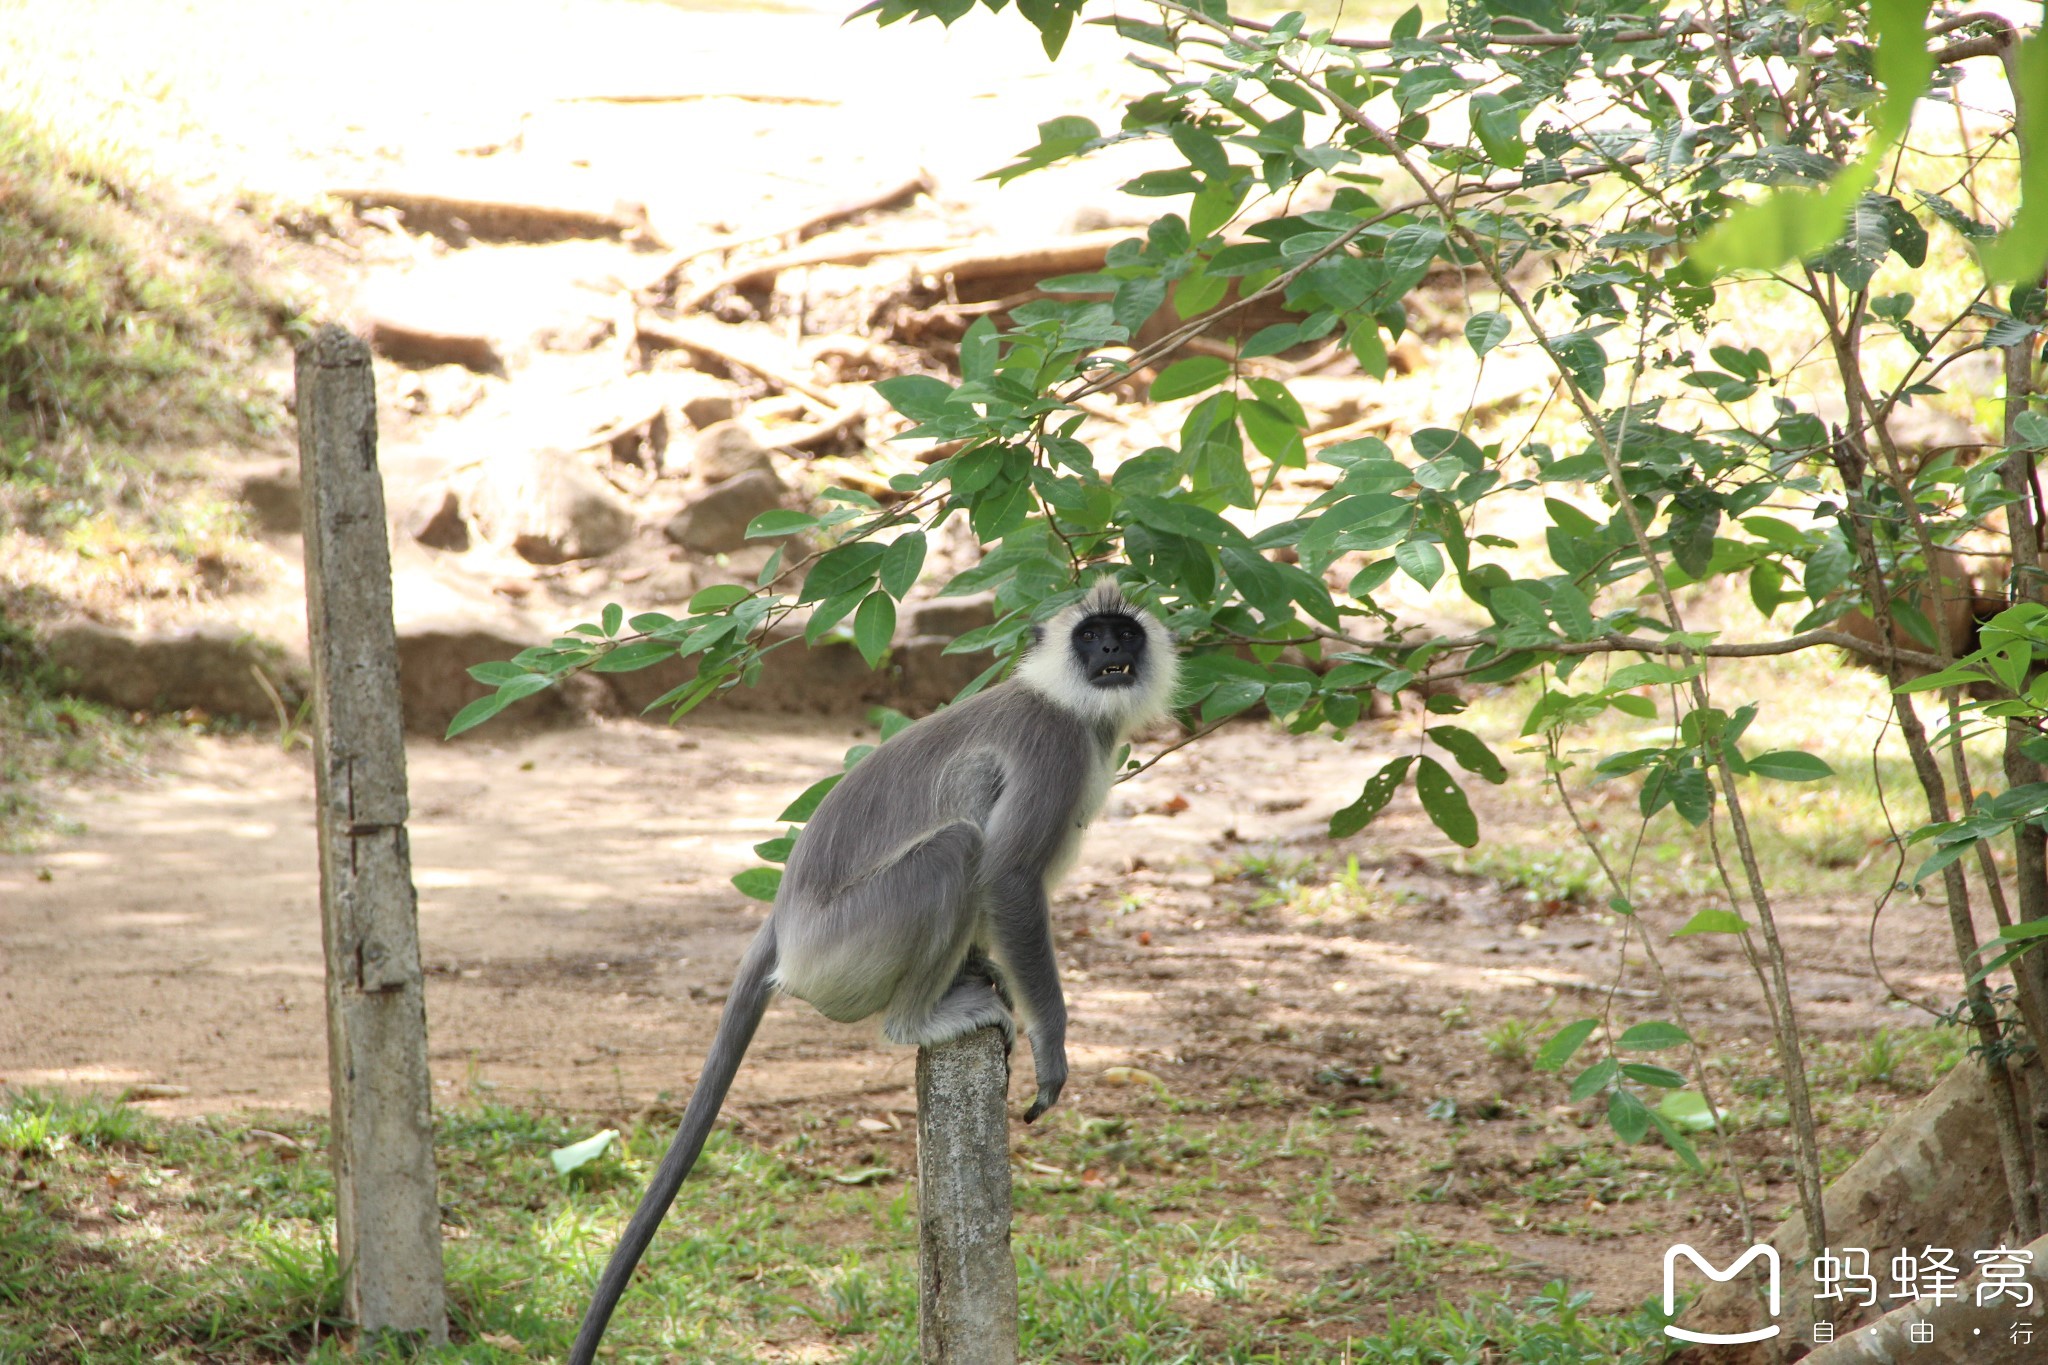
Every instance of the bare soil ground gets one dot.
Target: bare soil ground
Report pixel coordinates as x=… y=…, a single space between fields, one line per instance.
x=579 y=931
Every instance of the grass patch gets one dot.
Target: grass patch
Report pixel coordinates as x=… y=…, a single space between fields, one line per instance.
x=124 y=1239
x=130 y=334
x=125 y=325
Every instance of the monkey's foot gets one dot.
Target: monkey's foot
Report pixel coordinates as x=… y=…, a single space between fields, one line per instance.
x=971 y=1003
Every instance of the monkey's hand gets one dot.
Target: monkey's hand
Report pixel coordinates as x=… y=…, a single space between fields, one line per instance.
x=1051 y=1064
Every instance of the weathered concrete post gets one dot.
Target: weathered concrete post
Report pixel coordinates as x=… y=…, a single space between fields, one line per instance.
x=387 y=1215
x=967 y=1291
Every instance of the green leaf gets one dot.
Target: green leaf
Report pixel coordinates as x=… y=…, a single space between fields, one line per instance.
x=759 y=883
x=1192 y=375
x=1498 y=124
x=637 y=655
x=1713 y=922
x=1790 y=765
x=874 y=626
x=1687 y=1110
x=476 y=713
x=846 y=569
x=1379 y=789
x=919 y=397
x=1628 y=1116
x=1487 y=330
x=1444 y=801
x=1421 y=561
x=1594 y=1079
x=1643 y=1073
x=483 y=708
x=567 y=1159
x=865 y=1175
x=1470 y=751
x=497 y=672
x=807 y=801
x=717 y=597
x=1653 y=1036
x=1563 y=1044
x=1676 y=1141
x=1198 y=292
x=614 y=617
x=902 y=562
x=779 y=522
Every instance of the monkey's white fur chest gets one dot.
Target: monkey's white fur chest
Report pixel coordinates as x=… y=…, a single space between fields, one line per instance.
x=1094 y=793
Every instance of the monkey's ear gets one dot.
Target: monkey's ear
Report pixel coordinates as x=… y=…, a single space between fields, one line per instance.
x=1037 y=636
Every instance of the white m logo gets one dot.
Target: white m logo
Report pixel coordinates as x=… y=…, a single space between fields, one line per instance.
x=1770 y=1256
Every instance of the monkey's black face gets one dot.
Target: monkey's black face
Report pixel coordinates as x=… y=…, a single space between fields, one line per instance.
x=1110 y=649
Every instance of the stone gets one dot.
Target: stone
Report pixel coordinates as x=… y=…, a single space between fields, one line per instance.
x=435 y=519
x=726 y=450
x=715 y=520
x=573 y=333
x=948 y=616
x=706 y=410
x=434 y=659
x=271 y=493
x=549 y=507
x=209 y=668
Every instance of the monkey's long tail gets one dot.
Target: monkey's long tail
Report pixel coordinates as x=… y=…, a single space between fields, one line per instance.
x=751 y=990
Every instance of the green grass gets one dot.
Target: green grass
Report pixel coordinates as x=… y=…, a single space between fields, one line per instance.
x=125 y=324
x=127 y=338
x=124 y=1239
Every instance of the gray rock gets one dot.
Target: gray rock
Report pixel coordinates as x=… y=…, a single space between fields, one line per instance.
x=434 y=659
x=435 y=519
x=271 y=492
x=726 y=450
x=706 y=410
x=549 y=508
x=947 y=616
x=208 y=668
x=715 y=520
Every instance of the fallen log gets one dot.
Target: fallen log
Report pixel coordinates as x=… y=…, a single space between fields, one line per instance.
x=993 y=260
x=413 y=344
x=507 y=220
x=764 y=272
x=662 y=279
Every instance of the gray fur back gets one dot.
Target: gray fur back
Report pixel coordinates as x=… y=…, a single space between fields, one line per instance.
x=1007 y=751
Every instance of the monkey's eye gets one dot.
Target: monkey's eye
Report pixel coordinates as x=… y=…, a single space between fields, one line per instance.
x=1087 y=634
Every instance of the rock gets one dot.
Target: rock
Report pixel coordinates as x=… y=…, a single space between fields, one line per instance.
x=726 y=450
x=706 y=410
x=208 y=668
x=572 y=333
x=550 y=508
x=668 y=585
x=446 y=390
x=948 y=616
x=715 y=521
x=434 y=659
x=435 y=519
x=271 y=492
x=416 y=343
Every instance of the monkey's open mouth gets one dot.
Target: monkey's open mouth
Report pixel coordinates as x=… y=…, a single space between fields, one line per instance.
x=1119 y=672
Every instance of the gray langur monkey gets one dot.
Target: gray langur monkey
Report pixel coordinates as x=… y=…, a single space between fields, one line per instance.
x=917 y=891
